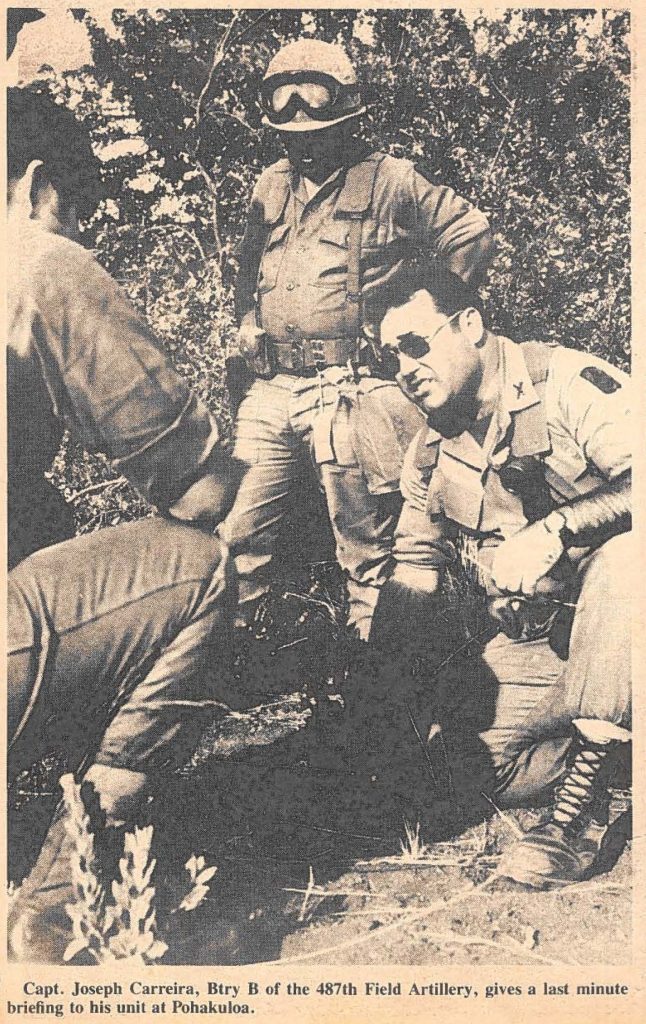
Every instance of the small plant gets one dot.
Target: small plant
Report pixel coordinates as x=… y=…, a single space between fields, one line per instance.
x=412 y=847
x=125 y=927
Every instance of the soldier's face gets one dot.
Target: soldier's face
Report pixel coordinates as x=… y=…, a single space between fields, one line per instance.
x=316 y=154
x=439 y=364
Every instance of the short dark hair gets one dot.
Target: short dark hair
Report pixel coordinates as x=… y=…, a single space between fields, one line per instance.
x=448 y=291
x=38 y=128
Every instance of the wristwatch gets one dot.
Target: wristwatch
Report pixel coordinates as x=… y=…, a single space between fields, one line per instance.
x=556 y=523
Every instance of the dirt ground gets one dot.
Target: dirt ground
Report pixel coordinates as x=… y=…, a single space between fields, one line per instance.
x=314 y=872
x=447 y=912
x=311 y=867
x=307 y=837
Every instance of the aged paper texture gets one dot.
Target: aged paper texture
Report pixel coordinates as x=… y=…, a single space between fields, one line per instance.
x=389 y=772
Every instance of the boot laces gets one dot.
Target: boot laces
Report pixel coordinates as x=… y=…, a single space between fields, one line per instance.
x=578 y=789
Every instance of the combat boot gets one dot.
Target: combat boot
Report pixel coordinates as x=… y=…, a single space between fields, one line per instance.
x=565 y=848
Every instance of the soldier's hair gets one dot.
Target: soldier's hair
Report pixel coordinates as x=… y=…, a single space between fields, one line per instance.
x=449 y=292
x=38 y=128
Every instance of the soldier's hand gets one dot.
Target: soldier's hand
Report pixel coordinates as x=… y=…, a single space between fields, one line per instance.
x=521 y=564
x=249 y=337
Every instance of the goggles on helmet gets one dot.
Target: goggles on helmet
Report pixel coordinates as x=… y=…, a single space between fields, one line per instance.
x=318 y=95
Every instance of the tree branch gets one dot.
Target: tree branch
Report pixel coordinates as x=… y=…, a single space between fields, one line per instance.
x=102 y=485
x=218 y=57
x=215 y=217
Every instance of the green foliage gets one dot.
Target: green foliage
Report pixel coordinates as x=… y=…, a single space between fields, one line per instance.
x=526 y=114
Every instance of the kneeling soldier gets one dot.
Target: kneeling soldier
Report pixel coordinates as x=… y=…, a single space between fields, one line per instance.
x=525 y=453
x=111 y=636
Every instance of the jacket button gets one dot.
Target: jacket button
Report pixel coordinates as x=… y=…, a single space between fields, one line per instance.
x=290 y=286
x=290 y=328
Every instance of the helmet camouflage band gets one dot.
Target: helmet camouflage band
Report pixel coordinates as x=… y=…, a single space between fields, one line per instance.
x=309 y=85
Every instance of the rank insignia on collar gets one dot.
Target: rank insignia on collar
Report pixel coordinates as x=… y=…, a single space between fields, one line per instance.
x=519 y=388
x=601 y=380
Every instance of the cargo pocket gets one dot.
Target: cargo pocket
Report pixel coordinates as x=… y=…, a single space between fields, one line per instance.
x=383 y=423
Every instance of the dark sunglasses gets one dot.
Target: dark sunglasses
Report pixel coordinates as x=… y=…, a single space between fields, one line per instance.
x=319 y=95
x=412 y=345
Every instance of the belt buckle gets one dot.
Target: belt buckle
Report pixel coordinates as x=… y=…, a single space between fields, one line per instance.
x=318 y=354
x=297 y=355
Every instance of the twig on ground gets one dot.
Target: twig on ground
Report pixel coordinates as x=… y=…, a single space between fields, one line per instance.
x=513 y=947
x=102 y=485
x=458 y=650
x=329 y=893
x=505 y=818
x=336 y=831
x=427 y=862
x=427 y=758
x=293 y=643
x=309 y=892
x=358 y=940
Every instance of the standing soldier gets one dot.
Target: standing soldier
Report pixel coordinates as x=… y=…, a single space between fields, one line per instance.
x=328 y=233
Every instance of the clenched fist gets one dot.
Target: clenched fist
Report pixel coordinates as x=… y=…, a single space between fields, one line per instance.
x=521 y=563
x=249 y=337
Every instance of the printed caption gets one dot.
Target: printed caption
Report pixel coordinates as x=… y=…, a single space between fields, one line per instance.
x=81 y=1000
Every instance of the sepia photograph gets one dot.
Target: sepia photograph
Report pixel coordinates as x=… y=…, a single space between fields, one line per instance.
x=319 y=501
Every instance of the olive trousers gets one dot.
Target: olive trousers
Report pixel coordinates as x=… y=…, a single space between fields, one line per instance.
x=112 y=642
x=355 y=434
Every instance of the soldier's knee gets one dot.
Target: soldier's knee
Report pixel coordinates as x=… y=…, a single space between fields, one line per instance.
x=188 y=556
x=609 y=567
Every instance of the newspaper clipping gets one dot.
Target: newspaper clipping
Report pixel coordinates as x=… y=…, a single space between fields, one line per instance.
x=322 y=596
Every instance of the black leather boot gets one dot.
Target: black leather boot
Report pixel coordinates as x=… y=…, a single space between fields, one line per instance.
x=565 y=848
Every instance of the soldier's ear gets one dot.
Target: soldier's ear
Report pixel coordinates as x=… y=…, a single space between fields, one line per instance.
x=472 y=326
x=33 y=194
x=23 y=191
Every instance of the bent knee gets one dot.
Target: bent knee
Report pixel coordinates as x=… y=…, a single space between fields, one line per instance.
x=177 y=550
x=611 y=565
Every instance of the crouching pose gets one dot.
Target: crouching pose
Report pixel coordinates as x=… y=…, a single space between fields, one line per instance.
x=110 y=635
x=525 y=453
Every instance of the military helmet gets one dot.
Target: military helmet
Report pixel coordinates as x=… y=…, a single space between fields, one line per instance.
x=309 y=85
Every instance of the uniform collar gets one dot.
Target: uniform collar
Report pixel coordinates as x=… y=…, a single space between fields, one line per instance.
x=519 y=407
x=356 y=182
x=324 y=189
